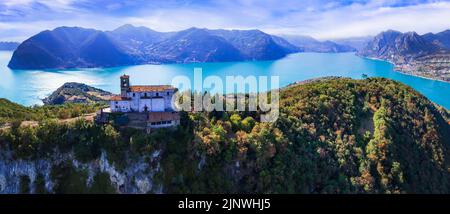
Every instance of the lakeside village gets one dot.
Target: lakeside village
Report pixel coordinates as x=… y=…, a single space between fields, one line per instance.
x=144 y=107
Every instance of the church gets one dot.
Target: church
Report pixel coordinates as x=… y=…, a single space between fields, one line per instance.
x=142 y=98
x=146 y=106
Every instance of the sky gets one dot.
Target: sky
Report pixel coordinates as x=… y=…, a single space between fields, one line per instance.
x=321 y=19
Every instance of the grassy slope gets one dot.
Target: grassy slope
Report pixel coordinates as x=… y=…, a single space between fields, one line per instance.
x=10 y=111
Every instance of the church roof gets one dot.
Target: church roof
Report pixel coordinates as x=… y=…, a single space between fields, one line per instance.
x=118 y=98
x=150 y=88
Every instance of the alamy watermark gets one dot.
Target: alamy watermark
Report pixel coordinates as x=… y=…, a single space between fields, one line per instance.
x=237 y=93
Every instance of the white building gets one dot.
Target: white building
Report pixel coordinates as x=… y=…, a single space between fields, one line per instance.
x=142 y=98
x=150 y=106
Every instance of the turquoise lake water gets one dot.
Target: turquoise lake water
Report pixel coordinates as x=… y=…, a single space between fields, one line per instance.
x=29 y=87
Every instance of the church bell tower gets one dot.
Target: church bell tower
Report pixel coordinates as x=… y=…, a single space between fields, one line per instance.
x=124 y=85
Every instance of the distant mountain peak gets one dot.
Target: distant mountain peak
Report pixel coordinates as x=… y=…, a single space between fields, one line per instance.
x=412 y=34
x=68 y=47
x=130 y=27
x=8 y=46
x=309 y=44
x=399 y=47
x=125 y=26
x=72 y=28
x=390 y=32
x=441 y=39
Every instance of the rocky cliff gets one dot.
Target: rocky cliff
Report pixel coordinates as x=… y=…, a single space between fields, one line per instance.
x=48 y=175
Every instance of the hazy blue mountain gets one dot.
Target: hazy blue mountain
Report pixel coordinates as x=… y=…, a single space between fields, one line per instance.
x=309 y=44
x=102 y=50
x=442 y=39
x=287 y=45
x=356 y=42
x=69 y=47
x=194 y=45
x=399 y=47
x=257 y=45
x=137 y=38
x=8 y=46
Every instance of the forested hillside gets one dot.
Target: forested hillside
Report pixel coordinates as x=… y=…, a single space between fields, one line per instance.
x=13 y=112
x=333 y=136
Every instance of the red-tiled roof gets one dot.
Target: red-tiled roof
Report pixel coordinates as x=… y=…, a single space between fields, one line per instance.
x=118 y=98
x=147 y=88
x=163 y=116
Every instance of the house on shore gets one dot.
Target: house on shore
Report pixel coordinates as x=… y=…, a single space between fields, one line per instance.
x=144 y=106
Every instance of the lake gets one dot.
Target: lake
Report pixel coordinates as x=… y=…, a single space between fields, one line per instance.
x=29 y=87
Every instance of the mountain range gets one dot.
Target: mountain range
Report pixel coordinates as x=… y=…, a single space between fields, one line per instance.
x=441 y=39
x=75 y=47
x=356 y=42
x=8 y=46
x=399 y=47
x=425 y=55
x=309 y=44
x=71 y=47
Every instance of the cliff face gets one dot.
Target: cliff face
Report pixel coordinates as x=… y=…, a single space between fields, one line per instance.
x=42 y=175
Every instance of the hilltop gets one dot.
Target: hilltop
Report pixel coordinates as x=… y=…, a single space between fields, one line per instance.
x=334 y=135
x=73 y=92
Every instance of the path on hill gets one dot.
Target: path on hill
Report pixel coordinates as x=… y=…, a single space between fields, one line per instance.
x=33 y=123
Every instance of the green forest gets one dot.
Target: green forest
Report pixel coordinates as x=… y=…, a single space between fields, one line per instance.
x=12 y=112
x=333 y=136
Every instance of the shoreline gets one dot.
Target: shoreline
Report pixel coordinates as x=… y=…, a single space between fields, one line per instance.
x=29 y=101
x=402 y=72
x=424 y=77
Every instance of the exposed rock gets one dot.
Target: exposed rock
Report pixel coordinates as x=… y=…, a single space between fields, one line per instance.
x=137 y=177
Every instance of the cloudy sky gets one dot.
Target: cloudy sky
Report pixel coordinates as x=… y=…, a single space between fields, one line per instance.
x=322 y=19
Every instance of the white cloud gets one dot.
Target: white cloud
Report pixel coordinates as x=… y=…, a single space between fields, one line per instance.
x=360 y=21
x=320 y=19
